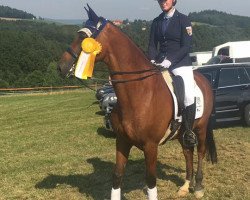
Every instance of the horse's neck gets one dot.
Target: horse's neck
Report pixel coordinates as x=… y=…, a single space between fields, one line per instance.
x=123 y=54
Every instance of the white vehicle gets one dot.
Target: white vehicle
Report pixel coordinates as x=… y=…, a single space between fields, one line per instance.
x=231 y=52
x=200 y=58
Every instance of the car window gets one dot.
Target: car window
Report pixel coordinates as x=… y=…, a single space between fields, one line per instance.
x=248 y=71
x=214 y=60
x=244 y=78
x=210 y=75
x=226 y=60
x=219 y=59
x=228 y=77
x=224 y=51
x=193 y=58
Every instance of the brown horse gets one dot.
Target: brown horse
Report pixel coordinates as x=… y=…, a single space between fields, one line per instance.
x=145 y=106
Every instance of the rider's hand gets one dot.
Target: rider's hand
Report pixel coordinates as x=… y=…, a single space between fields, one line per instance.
x=165 y=64
x=153 y=62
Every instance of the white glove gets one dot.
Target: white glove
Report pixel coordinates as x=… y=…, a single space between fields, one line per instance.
x=165 y=63
x=153 y=62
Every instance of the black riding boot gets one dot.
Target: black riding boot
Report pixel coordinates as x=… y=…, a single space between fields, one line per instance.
x=189 y=137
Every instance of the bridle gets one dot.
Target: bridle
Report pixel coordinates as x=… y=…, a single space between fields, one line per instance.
x=155 y=70
x=72 y=52
x=74 y=55
x=92 y=31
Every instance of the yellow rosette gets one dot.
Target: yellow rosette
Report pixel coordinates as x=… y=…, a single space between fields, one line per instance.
x=86 y=61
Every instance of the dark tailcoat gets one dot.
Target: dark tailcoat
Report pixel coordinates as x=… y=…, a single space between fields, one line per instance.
x=173 y=44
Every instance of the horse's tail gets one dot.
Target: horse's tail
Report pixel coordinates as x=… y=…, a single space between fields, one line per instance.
x=210 y=143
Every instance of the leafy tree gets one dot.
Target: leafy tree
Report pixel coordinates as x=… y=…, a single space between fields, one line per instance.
x=3 y=84
x=8 y=12
x=52 y=77
x=217 y=18
x=34 y=79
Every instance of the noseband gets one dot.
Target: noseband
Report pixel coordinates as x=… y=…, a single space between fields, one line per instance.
x=72 y=52
x=74 y=56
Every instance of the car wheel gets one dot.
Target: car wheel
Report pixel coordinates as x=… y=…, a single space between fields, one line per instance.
x=247 y=115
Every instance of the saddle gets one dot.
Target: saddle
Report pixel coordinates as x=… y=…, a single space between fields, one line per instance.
x=179 y=91
x=176 y=87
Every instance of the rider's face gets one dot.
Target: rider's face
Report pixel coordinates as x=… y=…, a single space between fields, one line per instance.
x=166 y=5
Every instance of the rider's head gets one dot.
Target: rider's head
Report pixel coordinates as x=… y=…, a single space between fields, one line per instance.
x=167 y=5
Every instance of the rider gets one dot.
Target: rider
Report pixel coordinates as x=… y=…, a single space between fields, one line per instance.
x=172 y=32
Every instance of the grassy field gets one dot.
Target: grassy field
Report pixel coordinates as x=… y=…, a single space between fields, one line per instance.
x=54 y=146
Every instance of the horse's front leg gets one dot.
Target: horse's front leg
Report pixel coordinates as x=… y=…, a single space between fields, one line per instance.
x=150 y=153
x=188 y=153
x=122 y=153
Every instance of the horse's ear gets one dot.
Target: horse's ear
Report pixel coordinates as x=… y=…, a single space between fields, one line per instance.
x=86 y=10
x=91 y=14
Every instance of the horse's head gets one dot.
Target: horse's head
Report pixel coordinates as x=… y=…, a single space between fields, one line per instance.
x=92 y=28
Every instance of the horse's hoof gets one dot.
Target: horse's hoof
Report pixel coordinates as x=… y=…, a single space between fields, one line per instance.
x=183 y=192
x=199 y=194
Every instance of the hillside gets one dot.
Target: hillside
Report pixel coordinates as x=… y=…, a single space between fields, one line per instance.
x=29 y=52
x=217 y=18
x=211 y=28
x=7 y=12
x=30 y=49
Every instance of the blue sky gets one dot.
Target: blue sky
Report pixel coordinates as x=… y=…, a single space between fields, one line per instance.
x=121 y=9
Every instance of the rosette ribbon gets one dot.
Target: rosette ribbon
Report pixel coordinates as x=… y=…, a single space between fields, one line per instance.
x=85 y=64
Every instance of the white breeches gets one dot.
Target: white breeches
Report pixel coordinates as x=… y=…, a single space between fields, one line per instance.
x=187 y=75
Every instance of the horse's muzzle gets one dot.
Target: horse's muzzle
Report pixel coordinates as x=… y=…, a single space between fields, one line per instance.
x=62 y=70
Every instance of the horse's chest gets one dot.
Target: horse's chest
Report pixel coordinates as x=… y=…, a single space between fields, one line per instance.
x=131 y=129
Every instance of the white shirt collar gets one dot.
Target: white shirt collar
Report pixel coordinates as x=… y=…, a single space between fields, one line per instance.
x=170 y=13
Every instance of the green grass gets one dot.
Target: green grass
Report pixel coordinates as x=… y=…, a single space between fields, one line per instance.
x=54 y=146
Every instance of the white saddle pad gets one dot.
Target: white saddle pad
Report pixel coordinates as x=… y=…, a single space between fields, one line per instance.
x=198 y=96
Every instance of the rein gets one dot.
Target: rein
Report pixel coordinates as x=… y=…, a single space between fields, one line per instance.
x=132 y=72
x=130 y=80
x=114 y=73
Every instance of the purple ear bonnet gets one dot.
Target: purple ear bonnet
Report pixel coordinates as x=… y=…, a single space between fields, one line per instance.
x=95 y=24
x=93 y=18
